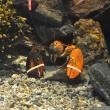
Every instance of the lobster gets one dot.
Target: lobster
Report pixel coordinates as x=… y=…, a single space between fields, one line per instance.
x=75 y=60
x=35 y=66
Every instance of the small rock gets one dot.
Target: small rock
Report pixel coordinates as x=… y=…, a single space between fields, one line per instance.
x=1 y=98
x=45 y=96
x=100 y=79
x=15 y=76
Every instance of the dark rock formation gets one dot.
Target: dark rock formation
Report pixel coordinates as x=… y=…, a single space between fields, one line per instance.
x=96 y=9
x=46 y=17
x=89 y=37
x=101 y=108
x=47 y=34
x=46 y=12
x=82 y=8
x=104 y=18
x=53 y=14
x=100 y=78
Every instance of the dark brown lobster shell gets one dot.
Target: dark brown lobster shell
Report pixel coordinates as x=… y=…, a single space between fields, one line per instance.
x=35 y=59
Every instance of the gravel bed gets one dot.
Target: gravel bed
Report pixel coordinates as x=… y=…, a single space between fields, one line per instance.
x=18 y=92
x=22 y=93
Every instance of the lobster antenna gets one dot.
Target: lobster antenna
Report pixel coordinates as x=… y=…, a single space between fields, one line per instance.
x=54 y=35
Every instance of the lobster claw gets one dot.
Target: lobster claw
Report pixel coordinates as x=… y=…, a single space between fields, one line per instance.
x=35 y=66
x=75 y=63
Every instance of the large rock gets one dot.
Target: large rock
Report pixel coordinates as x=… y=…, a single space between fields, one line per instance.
x=47 y=34
x=100 y=78
x=54 y=13
x=103 y=18
x=48 y=12
x=81 y=8
x=101 y=108
x=89 y=37
x=45 y=18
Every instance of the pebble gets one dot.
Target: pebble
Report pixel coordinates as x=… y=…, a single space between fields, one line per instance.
x=9 y=56
x=1 y=98
x=15 y=76
x=1 y=81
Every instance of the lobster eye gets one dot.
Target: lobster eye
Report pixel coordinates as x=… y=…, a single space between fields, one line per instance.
x=38 y=59
x=56 y=43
